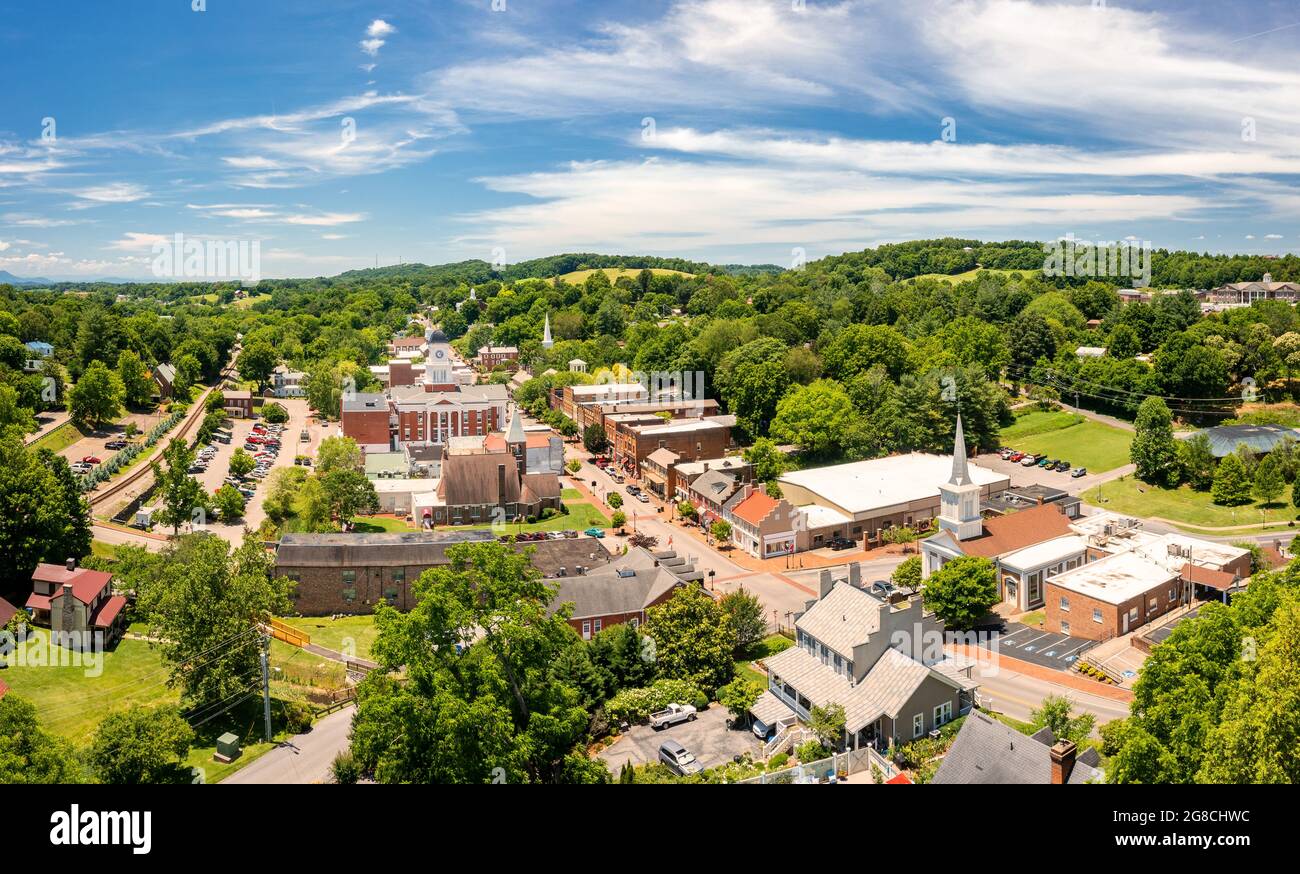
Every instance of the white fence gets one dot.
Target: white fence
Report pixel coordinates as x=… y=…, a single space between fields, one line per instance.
x=826 y=770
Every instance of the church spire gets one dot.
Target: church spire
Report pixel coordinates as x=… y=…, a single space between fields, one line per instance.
x=547 y=342
x=960 y=472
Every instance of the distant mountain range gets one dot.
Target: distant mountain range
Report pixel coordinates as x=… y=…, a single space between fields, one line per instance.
x=9 y=278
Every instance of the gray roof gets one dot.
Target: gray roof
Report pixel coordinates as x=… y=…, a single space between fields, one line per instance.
x=1224 y=439
x=627 y=586
x=986 y=751
x=166 y=371
x=769 y=709
x=714 y=484
x=846 y=617
x=364 y=401
x=388 y=549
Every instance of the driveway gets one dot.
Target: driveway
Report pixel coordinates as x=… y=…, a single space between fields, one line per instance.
x=708 y=738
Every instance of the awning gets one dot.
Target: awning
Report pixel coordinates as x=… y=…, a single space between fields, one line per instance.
x=770 y=710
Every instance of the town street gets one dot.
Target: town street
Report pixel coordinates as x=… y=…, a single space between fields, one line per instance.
x=304 y=758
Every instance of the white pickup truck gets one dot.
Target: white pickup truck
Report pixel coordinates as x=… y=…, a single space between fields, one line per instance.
x=671 y=715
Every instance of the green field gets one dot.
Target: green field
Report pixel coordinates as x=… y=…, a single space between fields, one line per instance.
x=970 y=275
x=337 y=634
x=1183 y=505
x=577 y=277
x=1082 y=442
x=765 y=648
x=572 y=495
x=377 y=524
x=59 y=439
x=579 y=518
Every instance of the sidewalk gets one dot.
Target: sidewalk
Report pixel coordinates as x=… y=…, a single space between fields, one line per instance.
x=1048 y=675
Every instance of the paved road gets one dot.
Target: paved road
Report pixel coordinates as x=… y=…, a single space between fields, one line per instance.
x=47 y=422
x=1017 y=694
x=305 y=758
x=117 y=537
x=707 y=737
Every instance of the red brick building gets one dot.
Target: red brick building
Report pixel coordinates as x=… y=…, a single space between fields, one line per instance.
x=620 y=592
x=423 y=416
x=365 y=417
x=490 y=357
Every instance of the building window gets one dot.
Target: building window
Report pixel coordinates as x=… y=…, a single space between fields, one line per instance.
x=942 y=713
x=918 y=725
x=1096 y=614
x=1065 y=628
x=1065 y=604
x=596 y=627
x=1173 y=594
x=1133 y=614
x=349 y=579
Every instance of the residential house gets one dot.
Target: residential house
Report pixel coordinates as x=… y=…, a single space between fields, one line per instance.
x=876 y=660
x=623 y=591
x=238 y=403
x=490 y=357
x=37 y=352
x=288 y=383
x=76 y=603
x=986 y=751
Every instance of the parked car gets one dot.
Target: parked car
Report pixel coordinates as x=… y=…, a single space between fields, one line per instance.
x=1016 y=456
x=678 y=759
x=838 y=543
x=1078 y=472
x=1046 y=462
x=1029 y=461
x=569 y=533
x=90 y=459
x=1062 y=465
x=115 y=444
x=79 y=467
x=883 y=588
x=671 y=715
x=595 y=532
x=643 y=497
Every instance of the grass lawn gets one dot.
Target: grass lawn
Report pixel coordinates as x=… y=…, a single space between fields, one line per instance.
x=577 y=277
x=336 y=634
x=970 y=275
x=572 y=495
x=1129 y=495
x=376 y=524
x=579 y=518
x=768 y=646
x=100 y=549
x=1034 y=619
x=1082 y=442
x=59 y=439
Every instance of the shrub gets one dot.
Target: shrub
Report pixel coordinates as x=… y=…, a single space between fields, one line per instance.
x=297 y=717
x=811 y=751
x=636 y=705
x=777 y=762
x=345 y=769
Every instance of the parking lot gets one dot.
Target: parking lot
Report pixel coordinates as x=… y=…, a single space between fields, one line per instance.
x=708 y=738
x=1026 y=476
x=219 y=464
x=94 y=444
x=1059 y=651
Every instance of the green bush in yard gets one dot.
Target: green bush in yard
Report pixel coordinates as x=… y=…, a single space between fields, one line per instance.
x=811 y=751
x=636 y=705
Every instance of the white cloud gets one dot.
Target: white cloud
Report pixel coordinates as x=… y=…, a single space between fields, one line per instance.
x=328 y=219
x=114 y=192
x=137 y=241
x=376 y=32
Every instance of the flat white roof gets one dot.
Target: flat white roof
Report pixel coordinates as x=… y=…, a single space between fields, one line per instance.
x=1206 y=553
x=1115 y=578
x=682 y=426
x=1048 y=552
x=823 y=517
x=860 y=486
x=610 y=388
x=401 y=486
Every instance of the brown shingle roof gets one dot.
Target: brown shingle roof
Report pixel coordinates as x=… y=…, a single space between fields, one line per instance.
x=1221 y=580
x=1017 y=530
x=472 y=480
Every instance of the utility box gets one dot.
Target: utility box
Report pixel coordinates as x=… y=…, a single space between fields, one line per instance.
x=144 y=517
x=227 y=748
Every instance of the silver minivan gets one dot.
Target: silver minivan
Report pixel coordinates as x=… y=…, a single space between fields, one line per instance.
x=678 y=759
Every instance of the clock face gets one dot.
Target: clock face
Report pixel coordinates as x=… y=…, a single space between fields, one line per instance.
x=438 y=354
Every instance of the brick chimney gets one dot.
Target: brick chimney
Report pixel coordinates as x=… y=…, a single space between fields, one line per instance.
x=70 y=564
x=1062 y=761
x=501 y=485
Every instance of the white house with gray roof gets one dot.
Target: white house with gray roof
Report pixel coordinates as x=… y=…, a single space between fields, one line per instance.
x=883 y=663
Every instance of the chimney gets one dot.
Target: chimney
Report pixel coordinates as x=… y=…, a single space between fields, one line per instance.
x=826 y=583
x=501 y=485
x=1062 y=761
x=855 y=575
x=71 y=564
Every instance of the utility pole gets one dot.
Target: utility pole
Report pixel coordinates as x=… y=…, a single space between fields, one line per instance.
x=266 y=686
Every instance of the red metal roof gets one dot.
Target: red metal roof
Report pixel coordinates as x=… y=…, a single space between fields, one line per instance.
x=3 y=688
x=7 y=611
x=1221 y=580
x=755 y=508
x=38 y=602
x=86 y=584
x=108 y=611
x=900 y=777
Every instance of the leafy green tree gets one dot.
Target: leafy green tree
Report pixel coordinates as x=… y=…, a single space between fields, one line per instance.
x=739 y=696
x=1054 y=713
x=1154 y=450
x=962 y=591
x=1197 y=461
x=574 y=466
x=624 y=656
x=594 y=439
x=339 y=453
x=827 y=722
x=693 y=640
x=275 y=414
x=205 y=605
x=769 y=462
x=721 y=531
x=1232 y=484
x=142 y=745
x=180 y=494
x=745 y=617
x=229 y=502
x=96 y=399
x=241 y=463
x=820 y=418
x=12 y=412
x=137 y=384
x=312 y=507
x=256 y=362
x=908 y=574
x=687 y=510
x=614 y=499
x=1123 y=342
x=350 y=493
x=282 y=489
x=71 y=534
x=478 y=698
x=1268 y=482
x=29 y=754
x=43 y=516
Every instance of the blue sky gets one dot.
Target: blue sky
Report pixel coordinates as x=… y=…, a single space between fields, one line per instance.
x=337 y=133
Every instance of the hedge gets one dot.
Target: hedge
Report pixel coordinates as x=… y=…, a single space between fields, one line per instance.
x=636 y=705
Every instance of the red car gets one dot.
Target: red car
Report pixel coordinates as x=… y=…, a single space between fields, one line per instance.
x=90 y=459
x=1016 y=456
x=253 y=438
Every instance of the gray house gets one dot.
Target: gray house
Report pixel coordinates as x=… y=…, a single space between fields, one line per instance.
x=986 y=751
x=883 y=663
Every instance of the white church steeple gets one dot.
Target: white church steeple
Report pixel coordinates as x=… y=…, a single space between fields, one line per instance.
x=959 y=497
x=547 y=342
